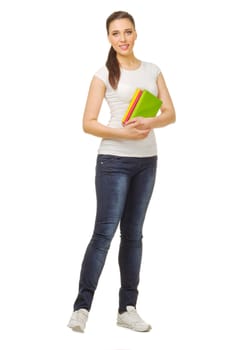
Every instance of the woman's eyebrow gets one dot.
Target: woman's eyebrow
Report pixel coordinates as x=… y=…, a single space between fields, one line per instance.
x=117 y=30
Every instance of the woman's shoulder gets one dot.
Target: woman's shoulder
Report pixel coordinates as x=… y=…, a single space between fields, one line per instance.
x=151 y=66
x=102 y=73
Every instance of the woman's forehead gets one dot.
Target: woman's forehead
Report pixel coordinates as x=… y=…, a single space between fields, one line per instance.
x=119 y=24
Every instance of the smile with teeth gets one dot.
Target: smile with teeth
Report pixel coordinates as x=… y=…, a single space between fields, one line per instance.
x=124 y=47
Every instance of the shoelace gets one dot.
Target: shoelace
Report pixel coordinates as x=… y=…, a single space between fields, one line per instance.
x=135 y=316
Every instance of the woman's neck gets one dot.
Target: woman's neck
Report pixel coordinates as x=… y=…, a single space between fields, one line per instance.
x=129 y=62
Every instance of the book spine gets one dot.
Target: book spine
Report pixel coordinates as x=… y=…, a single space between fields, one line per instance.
x=132 y=105
x=133 y=114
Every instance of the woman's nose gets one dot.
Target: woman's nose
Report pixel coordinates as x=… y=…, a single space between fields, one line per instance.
x=122 y=37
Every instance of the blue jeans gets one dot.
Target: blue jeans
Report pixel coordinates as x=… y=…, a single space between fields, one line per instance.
x=124 y=186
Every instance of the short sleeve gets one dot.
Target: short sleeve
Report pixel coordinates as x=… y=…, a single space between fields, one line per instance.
x=156 y=70
x=102 y=74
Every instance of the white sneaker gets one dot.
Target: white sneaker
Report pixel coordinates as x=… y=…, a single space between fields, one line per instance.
x=78 y=320
x=131 y=319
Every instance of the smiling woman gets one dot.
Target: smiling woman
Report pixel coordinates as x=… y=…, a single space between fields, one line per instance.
x=121 y=35
x=125 y=170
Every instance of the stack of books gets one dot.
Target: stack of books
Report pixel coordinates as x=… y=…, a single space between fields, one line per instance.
x=143 y=104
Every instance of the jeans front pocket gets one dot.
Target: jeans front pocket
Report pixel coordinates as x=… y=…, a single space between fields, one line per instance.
x=108 y=164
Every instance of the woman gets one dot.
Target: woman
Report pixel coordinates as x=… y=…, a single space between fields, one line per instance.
x=125 y=169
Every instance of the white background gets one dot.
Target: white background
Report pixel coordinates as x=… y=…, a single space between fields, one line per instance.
x=49 y=52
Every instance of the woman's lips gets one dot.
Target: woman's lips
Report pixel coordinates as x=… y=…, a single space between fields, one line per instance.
x=124 y=47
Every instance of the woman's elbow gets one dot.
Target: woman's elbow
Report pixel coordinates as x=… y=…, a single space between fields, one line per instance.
x=170 y=117
x=85 y=127
x=173 y=117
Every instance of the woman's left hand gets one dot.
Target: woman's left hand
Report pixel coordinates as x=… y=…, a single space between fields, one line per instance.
x=140 y=123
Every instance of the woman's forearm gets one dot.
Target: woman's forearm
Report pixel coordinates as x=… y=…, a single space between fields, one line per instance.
x=130 y=132
x=165 y=118
x=95 y=128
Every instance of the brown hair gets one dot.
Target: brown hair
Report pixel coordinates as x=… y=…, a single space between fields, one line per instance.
x=112 y=62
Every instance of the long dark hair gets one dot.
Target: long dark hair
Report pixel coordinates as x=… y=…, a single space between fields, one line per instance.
x=112 y=62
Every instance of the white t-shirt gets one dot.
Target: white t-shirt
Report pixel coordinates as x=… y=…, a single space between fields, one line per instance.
x=144 y=77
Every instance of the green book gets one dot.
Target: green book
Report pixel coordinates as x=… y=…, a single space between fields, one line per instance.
x=147 y=105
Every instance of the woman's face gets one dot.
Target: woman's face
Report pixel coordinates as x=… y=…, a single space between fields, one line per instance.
x=122 y=36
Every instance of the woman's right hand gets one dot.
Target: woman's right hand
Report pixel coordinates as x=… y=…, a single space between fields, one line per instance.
x=132 y=130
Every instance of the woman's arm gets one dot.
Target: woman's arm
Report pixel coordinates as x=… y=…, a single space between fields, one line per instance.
x=91 y=125
x=168 y=114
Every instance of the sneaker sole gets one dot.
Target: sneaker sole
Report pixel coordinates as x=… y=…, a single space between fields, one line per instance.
x=124 y=325
x=76 y=329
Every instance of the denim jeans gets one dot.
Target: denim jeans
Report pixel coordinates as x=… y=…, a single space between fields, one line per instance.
x=124 y=186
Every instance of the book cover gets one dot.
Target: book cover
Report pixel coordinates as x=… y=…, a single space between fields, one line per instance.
x=145 y=105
